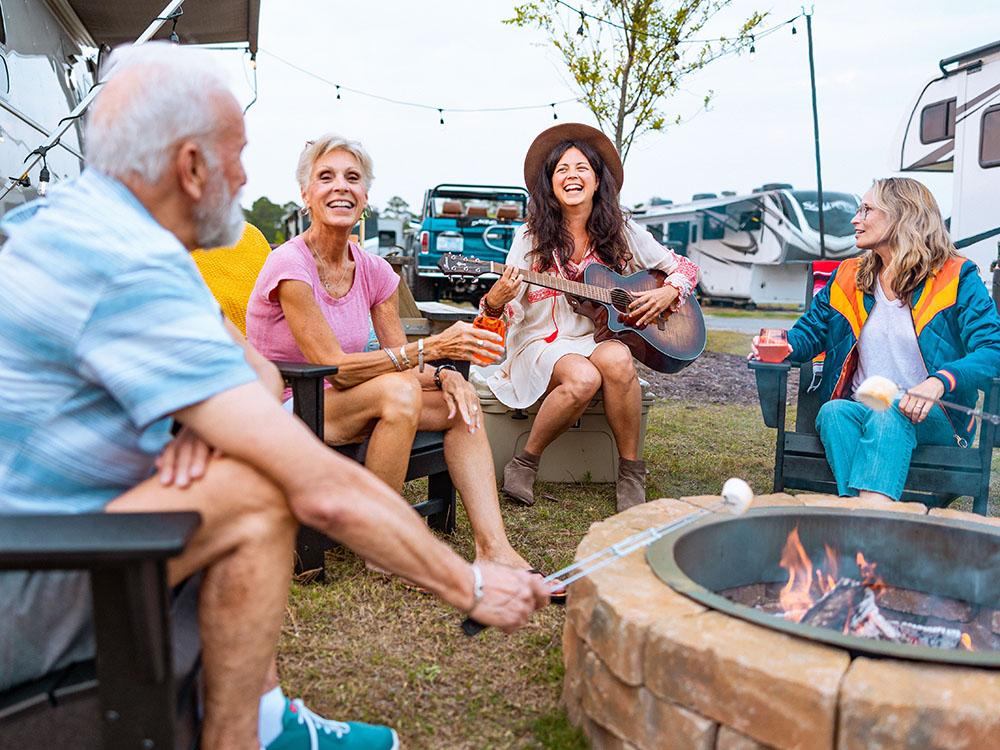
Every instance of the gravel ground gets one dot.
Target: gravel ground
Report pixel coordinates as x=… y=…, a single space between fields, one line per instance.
x=712 y=378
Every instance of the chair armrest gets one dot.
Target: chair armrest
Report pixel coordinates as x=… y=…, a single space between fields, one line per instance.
x=772 y=390
x=291 y=370
x=306 y=381
x=92 y=540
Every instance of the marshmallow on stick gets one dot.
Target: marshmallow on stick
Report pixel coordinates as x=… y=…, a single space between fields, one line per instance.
x=877 y=392
x=736 y=496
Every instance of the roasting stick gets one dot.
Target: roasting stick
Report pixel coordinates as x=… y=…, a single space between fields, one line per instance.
x=736 y=498
x=878 y=393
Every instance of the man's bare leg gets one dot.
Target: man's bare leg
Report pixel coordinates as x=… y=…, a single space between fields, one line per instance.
x=244 y=545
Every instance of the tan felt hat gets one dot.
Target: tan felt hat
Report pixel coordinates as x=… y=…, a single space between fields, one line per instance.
x=547 y=140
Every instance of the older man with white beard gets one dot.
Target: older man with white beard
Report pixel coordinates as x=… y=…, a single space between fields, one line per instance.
x=107 y=333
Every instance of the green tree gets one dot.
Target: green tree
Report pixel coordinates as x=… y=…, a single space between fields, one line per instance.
x=628 y=63
x=398 y=208
x=268 y=216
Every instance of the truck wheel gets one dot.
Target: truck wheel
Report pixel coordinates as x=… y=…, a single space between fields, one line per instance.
x=423 y=289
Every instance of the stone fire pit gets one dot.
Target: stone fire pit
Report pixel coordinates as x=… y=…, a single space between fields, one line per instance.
x=649 y=668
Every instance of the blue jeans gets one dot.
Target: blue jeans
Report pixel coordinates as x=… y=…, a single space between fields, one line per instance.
x=870 y=450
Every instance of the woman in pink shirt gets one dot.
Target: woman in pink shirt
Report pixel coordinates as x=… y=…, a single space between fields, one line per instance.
x=312 y=303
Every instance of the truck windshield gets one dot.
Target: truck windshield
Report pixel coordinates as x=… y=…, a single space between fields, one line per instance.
x=838 y=210
x=478 y=208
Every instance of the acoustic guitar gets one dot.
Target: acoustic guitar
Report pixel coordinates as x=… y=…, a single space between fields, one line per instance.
x=669 y=345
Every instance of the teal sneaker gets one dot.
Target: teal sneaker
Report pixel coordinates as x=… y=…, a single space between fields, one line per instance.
x=304 y=730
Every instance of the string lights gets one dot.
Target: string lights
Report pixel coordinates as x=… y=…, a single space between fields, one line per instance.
x=584 y=15
x=338 y=87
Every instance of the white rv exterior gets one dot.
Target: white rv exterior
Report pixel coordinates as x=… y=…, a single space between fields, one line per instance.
x=954 y=126
x=756 y=249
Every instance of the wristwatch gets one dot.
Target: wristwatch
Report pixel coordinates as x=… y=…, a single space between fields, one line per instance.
x=437 y=374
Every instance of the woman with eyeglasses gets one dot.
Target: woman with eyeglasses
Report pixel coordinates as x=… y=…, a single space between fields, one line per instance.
x=909 y=309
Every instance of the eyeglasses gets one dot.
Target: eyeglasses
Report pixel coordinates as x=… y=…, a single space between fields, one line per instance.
x=863 y=210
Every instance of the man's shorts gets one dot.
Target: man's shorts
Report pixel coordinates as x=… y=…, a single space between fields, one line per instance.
x=45 y=623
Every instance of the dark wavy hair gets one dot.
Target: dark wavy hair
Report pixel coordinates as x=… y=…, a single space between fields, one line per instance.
x=605 y=227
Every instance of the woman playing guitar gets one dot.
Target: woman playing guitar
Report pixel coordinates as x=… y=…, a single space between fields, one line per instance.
x=574 y=175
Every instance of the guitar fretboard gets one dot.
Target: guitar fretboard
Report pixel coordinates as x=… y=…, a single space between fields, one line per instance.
x=573 y=288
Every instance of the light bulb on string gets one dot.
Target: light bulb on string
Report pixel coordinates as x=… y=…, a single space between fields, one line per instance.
x=794 y=30
x=253 y=60
x=43 y=179
x=338 y=91
x=441 y=116
x=753 y=49
x=583 y=25
x=3 y=136
x=554 y=115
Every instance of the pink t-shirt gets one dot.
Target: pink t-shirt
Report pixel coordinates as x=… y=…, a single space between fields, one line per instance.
x=349 y=317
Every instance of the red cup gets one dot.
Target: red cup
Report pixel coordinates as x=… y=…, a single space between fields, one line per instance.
x=772 y=345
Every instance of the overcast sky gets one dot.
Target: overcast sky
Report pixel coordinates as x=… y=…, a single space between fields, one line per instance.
x=872 y=59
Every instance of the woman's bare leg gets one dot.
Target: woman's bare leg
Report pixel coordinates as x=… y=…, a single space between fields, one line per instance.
x=622 y=395
x=573 y=385
x=470 y=464
x=393 y=403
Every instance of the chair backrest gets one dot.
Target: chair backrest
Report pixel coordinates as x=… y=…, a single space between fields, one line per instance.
x=231 y=272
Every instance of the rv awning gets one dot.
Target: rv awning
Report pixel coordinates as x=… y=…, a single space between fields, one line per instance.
x=96 y=22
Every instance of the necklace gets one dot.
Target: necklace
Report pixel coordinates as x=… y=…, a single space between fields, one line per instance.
x=324 y=277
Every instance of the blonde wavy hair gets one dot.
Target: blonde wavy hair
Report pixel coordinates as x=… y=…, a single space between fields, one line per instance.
x=317 y=149
x=917 y=236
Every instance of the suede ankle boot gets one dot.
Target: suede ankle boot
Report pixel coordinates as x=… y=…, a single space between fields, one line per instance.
x=519 y=478
x=631 y=485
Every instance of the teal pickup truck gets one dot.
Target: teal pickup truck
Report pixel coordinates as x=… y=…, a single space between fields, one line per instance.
x=472 y=220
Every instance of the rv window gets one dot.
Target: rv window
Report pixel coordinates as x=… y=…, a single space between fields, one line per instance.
x=677 y=235
x=713 y=226
x=989 y=138
x=937 y=122
x=657 y=231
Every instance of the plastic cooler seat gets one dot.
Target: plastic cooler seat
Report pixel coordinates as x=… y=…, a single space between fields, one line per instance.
x=586 y=452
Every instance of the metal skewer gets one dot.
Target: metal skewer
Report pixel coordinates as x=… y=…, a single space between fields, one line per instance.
x=736 y=501
x=874 y=390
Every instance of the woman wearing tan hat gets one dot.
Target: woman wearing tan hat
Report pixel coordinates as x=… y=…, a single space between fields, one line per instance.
x=574 y=175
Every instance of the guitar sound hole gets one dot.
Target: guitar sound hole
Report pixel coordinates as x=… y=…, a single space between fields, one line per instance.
x=621 y=300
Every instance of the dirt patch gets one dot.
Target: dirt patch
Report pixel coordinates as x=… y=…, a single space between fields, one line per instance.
x=713 y=378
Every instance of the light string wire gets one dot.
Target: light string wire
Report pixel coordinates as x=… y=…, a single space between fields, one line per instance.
x=614 y=24
x=418 y=105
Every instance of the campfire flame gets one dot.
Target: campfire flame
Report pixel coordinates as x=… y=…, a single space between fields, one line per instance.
x=795 y=597
x=817 y=595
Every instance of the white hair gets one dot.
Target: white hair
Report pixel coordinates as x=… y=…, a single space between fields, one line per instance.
x=135 y=135
x=323 y=145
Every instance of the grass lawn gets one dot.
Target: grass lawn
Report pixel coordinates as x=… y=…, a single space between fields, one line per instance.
x=364 y=647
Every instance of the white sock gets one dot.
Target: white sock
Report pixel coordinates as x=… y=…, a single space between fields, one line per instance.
x=272 y=708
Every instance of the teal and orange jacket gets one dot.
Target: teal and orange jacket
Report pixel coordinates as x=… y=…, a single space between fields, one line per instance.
x=956 y=322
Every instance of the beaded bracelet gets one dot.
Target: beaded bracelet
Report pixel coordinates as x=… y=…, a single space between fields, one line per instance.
x=437 y=374
x=491 y=312
x=420 y=355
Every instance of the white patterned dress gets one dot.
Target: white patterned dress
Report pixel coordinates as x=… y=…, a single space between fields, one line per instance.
x=543 y=327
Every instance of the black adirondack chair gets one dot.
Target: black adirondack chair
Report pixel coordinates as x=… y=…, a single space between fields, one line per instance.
x=142 y=690
x=938 y=473
x=426 y=460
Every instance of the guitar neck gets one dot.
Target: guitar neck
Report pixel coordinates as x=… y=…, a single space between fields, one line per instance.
x=572 y=288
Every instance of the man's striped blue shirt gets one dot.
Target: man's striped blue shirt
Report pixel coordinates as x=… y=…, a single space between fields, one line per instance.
x=106 y=328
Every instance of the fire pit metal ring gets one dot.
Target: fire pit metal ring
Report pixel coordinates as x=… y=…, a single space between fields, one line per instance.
x=946 y=558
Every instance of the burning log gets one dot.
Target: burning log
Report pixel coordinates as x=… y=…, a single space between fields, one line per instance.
x=833 y=609
x=869 y=622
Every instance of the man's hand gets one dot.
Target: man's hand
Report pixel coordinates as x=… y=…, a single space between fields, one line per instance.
x=461 y=397
x=509 y=597
x=649 y=305
x=916 y=408
x=184 y=460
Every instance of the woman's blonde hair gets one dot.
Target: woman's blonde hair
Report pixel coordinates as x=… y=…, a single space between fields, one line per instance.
x=917 y=235
x=323 y=145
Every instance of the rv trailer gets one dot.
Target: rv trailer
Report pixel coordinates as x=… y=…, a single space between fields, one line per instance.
x=755 y=249
x=954 y=126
